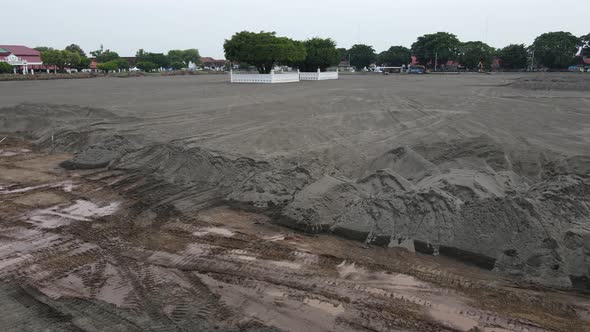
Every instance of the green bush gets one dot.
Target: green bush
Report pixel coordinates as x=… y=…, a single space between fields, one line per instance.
x=5 y=68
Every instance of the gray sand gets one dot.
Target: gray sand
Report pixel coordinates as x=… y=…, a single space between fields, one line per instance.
x=492 y=169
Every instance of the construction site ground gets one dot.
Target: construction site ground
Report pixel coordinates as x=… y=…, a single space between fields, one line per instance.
x=75 y=255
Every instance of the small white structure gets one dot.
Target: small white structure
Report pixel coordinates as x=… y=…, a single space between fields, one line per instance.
x=264 y=78
x=319 y=76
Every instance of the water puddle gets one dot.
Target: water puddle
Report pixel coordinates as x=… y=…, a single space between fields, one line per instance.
x=4 y=153
x=66 y=186
x=274 y=238
x=274 y=293
x=325 y=306
x=8 y=153
x=88 y=209
x=455 y=321
x=350 y=271
x=288 y=265
x=81 y=210
x=244 y=258
x=214 y=230
x=241 y=255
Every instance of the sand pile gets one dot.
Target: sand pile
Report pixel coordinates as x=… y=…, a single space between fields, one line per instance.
x=543 y=81
x=524 y=213
x=497 y=218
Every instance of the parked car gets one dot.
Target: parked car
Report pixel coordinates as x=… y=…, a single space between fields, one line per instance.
x=416 y=69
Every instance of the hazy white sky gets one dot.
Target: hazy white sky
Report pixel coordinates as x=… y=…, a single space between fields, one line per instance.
x=160 y=25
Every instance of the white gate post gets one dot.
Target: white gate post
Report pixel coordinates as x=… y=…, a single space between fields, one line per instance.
x=272 y=76
x=231 y=75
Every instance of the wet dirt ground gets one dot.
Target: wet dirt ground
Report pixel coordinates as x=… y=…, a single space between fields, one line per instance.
x=75 y=255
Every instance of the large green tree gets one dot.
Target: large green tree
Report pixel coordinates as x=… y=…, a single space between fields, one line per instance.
x=43 y=48
x=76 y=48
x=121 y=63
x=159 y=59
x=361 y=55
x=84 y=63
x=473 y=52
x=184 y=56
x=343 y=54
x=52 y=58
x=176 y=65
x=443 y=46
x=61 y=59
x=107 y=66
x=70 y=59
x=514 y=56
x=395 y=56
x=103 y=55
x=263 y=50
x=191 y=55
x=146 y=66
x=321 y=53
x=556 y=49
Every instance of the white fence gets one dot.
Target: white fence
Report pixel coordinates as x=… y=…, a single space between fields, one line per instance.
x=264 y=78
x=319 y=76
x=283 y=77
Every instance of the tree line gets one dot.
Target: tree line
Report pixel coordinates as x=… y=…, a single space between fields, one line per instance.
x=264 y=50
x=554 y=50
x=74 y=57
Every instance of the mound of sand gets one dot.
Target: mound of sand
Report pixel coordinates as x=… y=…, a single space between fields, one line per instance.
x=543 y=81
x=524 y=213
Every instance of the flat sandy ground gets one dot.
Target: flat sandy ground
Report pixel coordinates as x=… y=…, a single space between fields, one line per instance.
x=346 y=122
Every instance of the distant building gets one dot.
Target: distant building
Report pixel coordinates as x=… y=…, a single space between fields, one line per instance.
x=344 y=65
x=213 y=64
x=93 y=66
x=22 y=58
x=132 y=60
x=583 y=57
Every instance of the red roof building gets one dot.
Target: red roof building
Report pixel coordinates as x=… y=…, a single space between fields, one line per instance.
x=214 y=64
x=22 y=58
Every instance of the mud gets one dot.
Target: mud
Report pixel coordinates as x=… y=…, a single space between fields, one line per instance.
x=488 y=171
x=107 y=262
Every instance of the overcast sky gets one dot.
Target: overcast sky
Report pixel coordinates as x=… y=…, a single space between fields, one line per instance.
x=160 y=25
